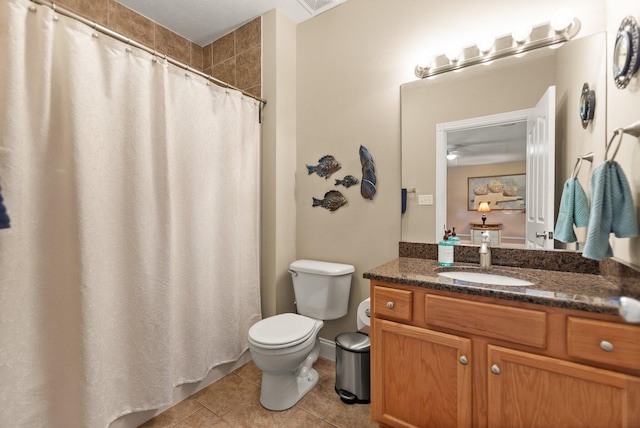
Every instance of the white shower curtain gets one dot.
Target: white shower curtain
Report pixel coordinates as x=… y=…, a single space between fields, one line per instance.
x=131 y=265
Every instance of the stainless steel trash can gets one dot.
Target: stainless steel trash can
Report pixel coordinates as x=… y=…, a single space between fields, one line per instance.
x=353 y=367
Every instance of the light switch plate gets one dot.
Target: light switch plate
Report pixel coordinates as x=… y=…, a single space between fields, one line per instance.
x=425 y=199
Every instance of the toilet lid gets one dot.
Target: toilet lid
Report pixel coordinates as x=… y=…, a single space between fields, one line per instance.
x=284 y=329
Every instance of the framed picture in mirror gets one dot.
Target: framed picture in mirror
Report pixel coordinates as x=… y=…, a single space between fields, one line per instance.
x=500 y=192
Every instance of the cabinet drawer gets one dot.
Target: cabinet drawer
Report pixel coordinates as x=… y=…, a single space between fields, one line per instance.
x=392 y=303
x=604 y=342
x=516 y=325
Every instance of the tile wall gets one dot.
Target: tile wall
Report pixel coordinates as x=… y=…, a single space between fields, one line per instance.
x=234 y=58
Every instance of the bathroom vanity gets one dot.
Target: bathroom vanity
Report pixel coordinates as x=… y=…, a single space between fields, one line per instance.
x=451 y=353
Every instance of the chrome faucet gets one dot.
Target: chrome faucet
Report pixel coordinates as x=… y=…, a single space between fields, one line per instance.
x=485 y=250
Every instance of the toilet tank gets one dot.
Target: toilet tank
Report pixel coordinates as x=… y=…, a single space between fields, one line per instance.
x=321 y=288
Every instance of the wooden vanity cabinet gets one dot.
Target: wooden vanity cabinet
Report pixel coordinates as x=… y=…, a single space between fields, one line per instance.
x=443 y=359
x=422 y=377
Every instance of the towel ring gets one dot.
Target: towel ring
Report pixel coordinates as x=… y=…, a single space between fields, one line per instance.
x=578 y=165
x=620 y=132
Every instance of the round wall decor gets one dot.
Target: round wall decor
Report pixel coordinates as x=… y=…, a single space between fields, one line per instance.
x=625 y=53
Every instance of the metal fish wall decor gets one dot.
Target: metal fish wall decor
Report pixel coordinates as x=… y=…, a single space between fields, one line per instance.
x=368 y=184
x=327 y=165
x=332 y=200
x=347 y=181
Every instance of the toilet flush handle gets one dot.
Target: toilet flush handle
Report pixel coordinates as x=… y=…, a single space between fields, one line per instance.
x=293 y=272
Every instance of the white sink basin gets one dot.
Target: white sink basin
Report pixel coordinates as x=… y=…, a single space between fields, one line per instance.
x=486 y=278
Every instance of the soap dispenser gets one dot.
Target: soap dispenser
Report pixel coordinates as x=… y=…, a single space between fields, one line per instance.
x=454 y=238
x=445 y=251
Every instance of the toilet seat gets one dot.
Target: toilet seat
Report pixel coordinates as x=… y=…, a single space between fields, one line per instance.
x=282 y=331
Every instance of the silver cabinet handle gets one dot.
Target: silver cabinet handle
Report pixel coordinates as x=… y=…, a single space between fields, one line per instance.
x=463 y=360
x=495 y=369
x=606 y=346
x=541 y=235
x=390 y=305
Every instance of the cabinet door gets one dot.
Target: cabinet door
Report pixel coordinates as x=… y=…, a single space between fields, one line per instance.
x=420 y=378
x=528 y=390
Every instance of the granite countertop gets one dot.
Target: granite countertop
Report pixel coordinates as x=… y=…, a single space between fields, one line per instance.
x=578 y=291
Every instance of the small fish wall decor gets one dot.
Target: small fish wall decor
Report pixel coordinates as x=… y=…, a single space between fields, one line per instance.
x=333 y=200
x=368 y=185
x=327 y=165
x=347 y=181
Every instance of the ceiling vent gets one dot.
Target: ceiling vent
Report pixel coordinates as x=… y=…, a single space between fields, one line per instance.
x=315 y=7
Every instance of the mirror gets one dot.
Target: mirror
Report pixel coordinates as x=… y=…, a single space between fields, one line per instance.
x=508 y=86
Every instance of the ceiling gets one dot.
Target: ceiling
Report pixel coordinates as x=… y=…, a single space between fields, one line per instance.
x=203 y=21
x=488 y=145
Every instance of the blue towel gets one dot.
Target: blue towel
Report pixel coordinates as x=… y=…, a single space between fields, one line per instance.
x=4 y=217
x=612 y=211
x=574 y=209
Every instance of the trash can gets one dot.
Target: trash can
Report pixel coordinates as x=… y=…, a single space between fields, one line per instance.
x=352 y=367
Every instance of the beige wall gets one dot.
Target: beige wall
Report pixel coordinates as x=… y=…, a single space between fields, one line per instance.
x=458 y=216
x=278 y=246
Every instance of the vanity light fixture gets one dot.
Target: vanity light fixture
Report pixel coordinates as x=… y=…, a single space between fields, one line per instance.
x=452 y=155
x=542 y=35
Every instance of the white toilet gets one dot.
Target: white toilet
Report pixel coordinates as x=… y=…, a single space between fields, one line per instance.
x=285 y=346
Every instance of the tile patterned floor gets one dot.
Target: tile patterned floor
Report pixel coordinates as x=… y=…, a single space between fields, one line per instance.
x=234 y=401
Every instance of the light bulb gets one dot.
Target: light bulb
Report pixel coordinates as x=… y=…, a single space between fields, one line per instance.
x=452 y=53
x=521 y=33
x=562 y=20
x=452 y=155
x=485 y=43
x=427 y=63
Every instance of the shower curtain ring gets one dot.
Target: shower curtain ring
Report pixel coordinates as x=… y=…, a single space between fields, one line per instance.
x=55 y=12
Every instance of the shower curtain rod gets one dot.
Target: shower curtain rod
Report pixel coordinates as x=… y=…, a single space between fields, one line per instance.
x=128 y=41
